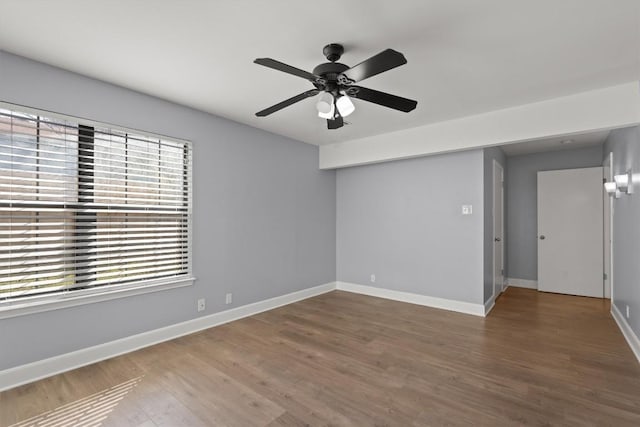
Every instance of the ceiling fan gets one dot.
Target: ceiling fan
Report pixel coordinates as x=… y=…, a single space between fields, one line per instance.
x=335 y=84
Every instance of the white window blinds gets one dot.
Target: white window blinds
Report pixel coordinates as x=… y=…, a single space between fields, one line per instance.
x=86 y=206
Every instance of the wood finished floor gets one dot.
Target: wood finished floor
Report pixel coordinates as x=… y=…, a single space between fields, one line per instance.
x=346 y=359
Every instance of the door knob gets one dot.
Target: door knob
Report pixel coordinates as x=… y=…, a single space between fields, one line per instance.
x=497 y=239
x=542 y=237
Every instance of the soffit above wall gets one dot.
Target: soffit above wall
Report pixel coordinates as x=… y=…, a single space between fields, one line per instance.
x=590 y=139
x=565 y=117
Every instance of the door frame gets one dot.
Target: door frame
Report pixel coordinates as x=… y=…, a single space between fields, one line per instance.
x=607 y=166
x=497 y=165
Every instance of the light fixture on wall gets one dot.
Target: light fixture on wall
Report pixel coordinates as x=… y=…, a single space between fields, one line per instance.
x=624 y=182
x=612 y=189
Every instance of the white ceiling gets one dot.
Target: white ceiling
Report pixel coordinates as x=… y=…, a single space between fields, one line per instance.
x=464 y=57
x=591 y=139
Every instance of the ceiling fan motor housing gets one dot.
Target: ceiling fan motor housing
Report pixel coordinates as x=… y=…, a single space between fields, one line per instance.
x=328 y=73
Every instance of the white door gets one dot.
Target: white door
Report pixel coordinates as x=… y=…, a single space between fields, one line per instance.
x=498 y=229
x=607 y=202
x=570 y=235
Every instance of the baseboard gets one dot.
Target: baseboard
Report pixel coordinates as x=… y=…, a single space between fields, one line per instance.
x=442 y=303
x=30 y=372
x=522 y=283
x=488 y=306
x=629 y=335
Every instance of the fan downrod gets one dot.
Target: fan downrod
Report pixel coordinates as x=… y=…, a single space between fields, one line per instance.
x=333 y=51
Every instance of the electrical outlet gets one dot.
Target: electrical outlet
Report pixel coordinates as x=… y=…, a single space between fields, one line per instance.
x=201 y=304
x=467 y=209
x=228 y=299
x=627 y=311
x=373 y=278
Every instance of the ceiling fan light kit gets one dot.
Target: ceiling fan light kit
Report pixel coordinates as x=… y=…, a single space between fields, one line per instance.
x=335 y=84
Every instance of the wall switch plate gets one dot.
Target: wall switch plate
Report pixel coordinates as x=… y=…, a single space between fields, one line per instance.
x=627 y=311
x=373 y=278
x=467 y=209
x=201 y=304
x=228 y=299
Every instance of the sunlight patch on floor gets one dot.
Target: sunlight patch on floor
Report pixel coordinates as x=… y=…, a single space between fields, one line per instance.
x=89 y=411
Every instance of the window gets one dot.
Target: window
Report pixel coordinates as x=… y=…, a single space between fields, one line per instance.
x=88 y=207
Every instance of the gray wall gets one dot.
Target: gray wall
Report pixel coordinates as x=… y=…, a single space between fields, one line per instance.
x=264 y=215
x=522 y=203
x=402 y=221
x=625 y=145
x=491 y=154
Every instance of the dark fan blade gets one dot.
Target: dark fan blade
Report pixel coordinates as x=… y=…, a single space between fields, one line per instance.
x=335 y=123
x=384 y=61
x=281 y=66
x=287 y=102
x=385 y=99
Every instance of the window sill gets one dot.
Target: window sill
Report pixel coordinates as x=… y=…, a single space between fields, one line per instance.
x=89 y=296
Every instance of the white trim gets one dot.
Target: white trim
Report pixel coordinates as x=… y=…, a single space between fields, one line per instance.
x=629 y=335
x=30 y=372
x=488 y=306
x=493 y=225
x=600 y=109
x=442 y=303
x=42 y=303
x=522 y=283
x=609 y=160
